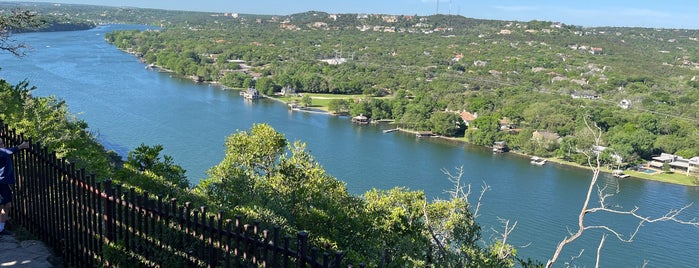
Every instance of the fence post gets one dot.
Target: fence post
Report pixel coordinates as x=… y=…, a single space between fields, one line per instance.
x=302 y=238
x=108 y=210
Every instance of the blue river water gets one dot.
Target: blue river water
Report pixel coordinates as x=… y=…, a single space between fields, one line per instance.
x=126 y=105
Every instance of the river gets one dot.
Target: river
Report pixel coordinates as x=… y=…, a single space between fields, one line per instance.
x=126 y=105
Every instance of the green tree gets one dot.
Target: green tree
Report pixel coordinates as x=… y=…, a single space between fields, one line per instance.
x=338 y=106
x=447 y=124
x=306 y=100
x=147 y=158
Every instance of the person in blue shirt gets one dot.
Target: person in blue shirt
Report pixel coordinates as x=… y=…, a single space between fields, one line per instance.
x=7 y=178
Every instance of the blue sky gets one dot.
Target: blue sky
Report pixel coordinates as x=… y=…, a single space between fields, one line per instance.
x=634 y=13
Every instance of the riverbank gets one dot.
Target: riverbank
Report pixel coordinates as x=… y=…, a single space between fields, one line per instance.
x=673 y=178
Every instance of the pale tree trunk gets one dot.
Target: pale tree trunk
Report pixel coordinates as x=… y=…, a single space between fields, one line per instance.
x=671 y=215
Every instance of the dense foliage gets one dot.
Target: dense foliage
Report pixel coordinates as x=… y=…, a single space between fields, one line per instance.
x=519 y=78
x=523 y=80
x=265 y=177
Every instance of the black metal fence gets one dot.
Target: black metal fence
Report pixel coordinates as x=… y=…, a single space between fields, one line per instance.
x=90 y=223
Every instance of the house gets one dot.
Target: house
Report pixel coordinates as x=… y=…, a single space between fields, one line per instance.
x=677 y=163
x=624 y=104
x=288 y=91
x=597 y=150
x=682 y=164
x=468 y=117
x=579 y=95
x=251 y=94
x=505 y=124
x=500 y=147
x=360 y=119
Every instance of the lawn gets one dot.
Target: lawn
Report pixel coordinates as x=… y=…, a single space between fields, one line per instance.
x=675 y=178
x=320 y=101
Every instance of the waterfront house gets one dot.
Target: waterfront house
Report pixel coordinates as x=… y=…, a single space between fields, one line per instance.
x=684 y=165
x=293 y=105
x=676 y=163
x=288 y=91
x=360 y=119
x=251 y=94
x=500 y=147
x=505 y=124
x=661 y=160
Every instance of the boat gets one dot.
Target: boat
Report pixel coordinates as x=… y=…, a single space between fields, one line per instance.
x=389 y=130
x=619 y=174
x=537 y=161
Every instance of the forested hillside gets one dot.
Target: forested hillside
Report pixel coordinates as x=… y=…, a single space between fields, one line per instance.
x=517 y=78
x=510 y=80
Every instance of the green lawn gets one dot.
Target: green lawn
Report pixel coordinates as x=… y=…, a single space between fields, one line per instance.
x=320 y=101
x=675 y=178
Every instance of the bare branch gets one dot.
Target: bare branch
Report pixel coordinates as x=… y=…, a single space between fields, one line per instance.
x=671 y=215
x=458 y=190
x=18 y=19
x=484 y=189
x=599 y=249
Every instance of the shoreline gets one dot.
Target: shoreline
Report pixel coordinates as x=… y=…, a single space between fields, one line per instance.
x=633 y=174
x=662 y=178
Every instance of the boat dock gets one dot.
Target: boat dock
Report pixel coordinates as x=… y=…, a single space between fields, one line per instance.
x=619 y=174
x=537 y=161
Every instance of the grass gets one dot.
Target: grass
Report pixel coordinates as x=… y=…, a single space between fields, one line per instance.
x=674 y=178
x=320 y=100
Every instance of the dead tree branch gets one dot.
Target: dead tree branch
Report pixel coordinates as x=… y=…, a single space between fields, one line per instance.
x=671 y=215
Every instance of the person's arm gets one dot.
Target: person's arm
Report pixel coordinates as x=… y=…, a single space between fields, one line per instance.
x=4 y=152
x=24 y=145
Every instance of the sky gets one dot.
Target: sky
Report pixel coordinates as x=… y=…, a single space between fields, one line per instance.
x=589 y=13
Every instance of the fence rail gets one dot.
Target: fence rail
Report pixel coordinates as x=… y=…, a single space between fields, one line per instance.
x=91 y=223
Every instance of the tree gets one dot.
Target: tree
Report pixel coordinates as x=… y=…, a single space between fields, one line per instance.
x=147 y=158
x=48 y=119
x=146 y=170
x=306 y=100
x=338 y=106
x=16 y=20
x=251 y=157
x=447 y=124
